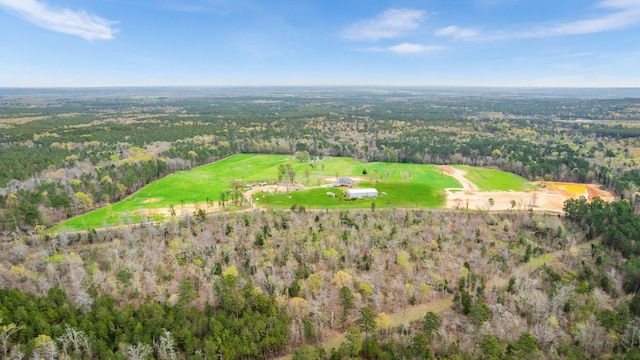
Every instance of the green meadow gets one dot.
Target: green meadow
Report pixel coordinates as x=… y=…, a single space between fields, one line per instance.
x=403 y=185
x=196 y=186
x=392 y=194
x=495 y=180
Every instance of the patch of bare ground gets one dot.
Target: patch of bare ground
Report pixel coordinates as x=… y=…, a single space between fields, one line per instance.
x=180 y=210
x=548 y=198
x=334 y=179
x=595 y=191
x=506 y=200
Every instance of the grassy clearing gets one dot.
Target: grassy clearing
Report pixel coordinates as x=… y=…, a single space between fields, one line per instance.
x=196 y=186
x=205 y=182
x=398 y=195
x=495 y=180
x=406 y=185
x=541 y=260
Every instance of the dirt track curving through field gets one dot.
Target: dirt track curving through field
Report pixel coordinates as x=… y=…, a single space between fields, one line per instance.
x=460 y=176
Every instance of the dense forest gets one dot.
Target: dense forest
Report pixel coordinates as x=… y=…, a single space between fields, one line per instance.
x=267 y=283
x=403 y=283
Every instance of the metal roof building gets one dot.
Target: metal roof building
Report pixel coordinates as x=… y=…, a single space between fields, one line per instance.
x=344 y=181
x=361 y=193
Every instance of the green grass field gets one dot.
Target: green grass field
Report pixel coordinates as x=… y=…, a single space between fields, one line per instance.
x=397 y=195
x=495 y=180
x=406 y=185
x=184 y=187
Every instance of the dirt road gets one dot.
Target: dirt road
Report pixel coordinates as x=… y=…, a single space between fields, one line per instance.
x=459 y=175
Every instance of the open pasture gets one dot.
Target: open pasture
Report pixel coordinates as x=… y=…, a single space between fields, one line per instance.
x=407 y=185
x=392 y=195
x=197 y=186
x=495 y=180
x=399 y=185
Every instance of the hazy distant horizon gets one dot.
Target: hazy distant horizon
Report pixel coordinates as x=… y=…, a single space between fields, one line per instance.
x=354 y=90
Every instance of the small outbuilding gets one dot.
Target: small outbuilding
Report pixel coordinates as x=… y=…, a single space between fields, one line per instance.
x=344 y=181
x=361 y=193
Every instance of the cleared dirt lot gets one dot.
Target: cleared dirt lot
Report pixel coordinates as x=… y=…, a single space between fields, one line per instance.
x=548 y=197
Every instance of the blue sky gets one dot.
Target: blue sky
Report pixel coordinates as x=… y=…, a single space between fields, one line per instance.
x=560 y=43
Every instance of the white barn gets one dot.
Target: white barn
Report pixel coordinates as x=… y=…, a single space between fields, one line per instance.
x=361 y=193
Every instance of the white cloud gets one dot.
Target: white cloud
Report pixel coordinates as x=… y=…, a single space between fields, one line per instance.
x=405 y=48
x=410 y=48
x=621 y=14
x=388 y=25
x=457 y=32
x=489 y=3
x=65 y=21
x=221 y=7
x=626 y=13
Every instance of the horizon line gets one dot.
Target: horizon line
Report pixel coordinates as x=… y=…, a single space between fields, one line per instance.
x=322 y=86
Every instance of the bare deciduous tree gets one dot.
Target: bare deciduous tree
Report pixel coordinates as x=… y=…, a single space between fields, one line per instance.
x=78 y=340
x=139 y=351
x=591 y=337
x=6 y=331
x=165 y=346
